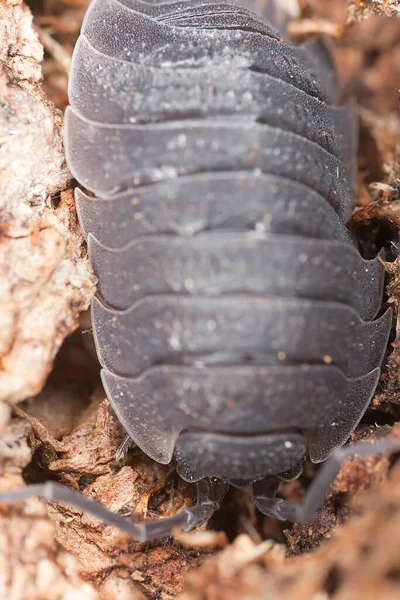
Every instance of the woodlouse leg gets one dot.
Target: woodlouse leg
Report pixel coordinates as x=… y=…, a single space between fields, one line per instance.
x=210 y=493
x=284 y=510
x=123 y=447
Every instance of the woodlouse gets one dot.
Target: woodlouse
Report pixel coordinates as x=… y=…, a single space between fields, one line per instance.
x=236 y=319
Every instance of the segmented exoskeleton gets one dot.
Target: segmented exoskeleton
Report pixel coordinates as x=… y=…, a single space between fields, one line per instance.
x=235 y=319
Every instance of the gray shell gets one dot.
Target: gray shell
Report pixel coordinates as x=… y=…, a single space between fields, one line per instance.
x=235 y=316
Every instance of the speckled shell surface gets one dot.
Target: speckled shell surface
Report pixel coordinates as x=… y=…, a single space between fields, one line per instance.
x=235 y=320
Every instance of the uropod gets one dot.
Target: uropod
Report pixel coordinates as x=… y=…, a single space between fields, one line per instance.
x=235 y=320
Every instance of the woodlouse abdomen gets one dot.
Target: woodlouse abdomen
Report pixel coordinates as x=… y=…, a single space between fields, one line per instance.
x=235 y=315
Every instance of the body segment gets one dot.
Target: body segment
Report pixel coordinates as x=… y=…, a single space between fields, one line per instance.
x=235 y=319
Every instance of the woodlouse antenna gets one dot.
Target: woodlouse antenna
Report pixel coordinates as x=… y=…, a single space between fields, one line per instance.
x=210 y=493
x=284 y=510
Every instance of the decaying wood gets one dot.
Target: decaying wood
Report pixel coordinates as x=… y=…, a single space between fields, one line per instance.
x=45 y=278
x=362 y=9
x=66 y=431
x=360 y=561
x=32 y=563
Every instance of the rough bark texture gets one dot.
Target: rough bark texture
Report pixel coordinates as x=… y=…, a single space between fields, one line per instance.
x=362 y=9
x=45 y=279
x=66 y=431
